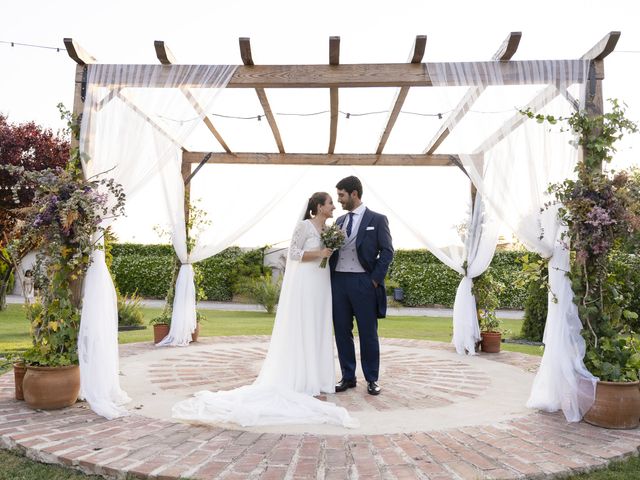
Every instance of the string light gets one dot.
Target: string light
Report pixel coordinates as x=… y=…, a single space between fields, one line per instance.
x=348 y=115
x=31 y=45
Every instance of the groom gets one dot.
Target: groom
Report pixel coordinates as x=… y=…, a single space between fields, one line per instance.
x=358 y=269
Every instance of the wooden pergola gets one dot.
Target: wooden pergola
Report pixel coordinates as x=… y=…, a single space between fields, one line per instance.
x=335 y=76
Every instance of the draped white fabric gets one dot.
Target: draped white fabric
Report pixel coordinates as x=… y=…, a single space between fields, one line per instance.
x=126 y=135
x=98 y=342
x=480 y=246
x=512 y=161
x=208 y=242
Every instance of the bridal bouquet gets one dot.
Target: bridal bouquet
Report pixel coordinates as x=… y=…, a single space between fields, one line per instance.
x=332 y=237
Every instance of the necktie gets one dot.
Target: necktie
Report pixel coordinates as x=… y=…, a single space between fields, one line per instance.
x=350 y=224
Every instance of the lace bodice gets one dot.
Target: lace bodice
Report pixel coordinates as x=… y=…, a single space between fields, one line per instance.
x=305 y=237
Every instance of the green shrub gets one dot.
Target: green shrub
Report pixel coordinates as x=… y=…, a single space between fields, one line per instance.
x=157 y=250
x=148 y=270
x=150 y=276
x=535 y=310
x=506 y=268
x=427 y=281
x=624 y=275
x=263 y=291
x=130 y=310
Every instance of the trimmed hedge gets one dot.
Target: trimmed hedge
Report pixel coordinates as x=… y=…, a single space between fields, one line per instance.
x=427 y=281
x=535 y=311
x=147 y=269
x=149 y=275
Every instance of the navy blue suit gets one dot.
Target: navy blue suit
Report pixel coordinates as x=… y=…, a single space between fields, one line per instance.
x=355 y=295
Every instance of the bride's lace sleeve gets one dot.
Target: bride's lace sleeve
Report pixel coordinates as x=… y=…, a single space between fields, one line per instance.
x=297 y=242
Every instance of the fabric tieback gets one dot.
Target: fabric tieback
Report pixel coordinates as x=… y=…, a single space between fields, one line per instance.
x=350 y=223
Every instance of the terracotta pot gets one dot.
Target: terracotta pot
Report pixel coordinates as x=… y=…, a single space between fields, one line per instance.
x=490 y=342
x=617 y=405
x=160 y=330
x=48 y=388
x=196 y=332
x=19 y=370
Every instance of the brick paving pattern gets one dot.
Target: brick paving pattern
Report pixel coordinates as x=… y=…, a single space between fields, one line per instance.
x=535 y=445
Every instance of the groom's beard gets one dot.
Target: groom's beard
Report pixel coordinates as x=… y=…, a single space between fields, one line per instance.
x=348 y=206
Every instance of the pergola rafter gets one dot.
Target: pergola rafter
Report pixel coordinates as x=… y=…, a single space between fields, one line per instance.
x=504 y=54
x=247 y=59
x=166 y=57
x=335 y=75
x=401 y=95
x=334 y=59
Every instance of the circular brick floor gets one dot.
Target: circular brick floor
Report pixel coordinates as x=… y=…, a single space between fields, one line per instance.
x=417 y=436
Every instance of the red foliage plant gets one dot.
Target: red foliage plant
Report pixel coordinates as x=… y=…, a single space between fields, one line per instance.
x=33 y=147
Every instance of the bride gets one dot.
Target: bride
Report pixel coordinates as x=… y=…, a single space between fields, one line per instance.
x=299 y=362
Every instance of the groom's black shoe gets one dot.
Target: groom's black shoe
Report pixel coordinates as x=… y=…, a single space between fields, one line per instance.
x=343 y=384
x=373 y=388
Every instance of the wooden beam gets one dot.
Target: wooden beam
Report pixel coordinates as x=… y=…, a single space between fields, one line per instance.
x=77 y=53
x=323 y=159
x=401 y=95
x=334 y=59
x=113 y=93
x=247 y=59
x=167 y=58
x=503 y=54
x=344 y=75
x=163 y=53
x=207 y=121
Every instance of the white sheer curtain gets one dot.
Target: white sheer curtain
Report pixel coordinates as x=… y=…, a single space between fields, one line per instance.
x=480 y=246
x=135 y=119
x=208 y=242
x=512 y=161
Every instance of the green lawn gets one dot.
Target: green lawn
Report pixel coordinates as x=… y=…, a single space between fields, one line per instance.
x=14 y=328
x=14 y=337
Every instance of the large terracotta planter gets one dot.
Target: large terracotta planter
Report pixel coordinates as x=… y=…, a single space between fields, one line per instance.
x=196 y=332
x=19 y=370
x=48 y=388
x=160 y=330
x=617 y=405
x=490 y=342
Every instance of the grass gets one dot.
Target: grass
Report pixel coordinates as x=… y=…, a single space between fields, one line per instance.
x=17 y=467
x=14 y=328
x=14 y=337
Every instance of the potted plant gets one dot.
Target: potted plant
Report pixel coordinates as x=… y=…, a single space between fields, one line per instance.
x=19 y=369
x=602 y=211
x=486 y=290
x=63 y=222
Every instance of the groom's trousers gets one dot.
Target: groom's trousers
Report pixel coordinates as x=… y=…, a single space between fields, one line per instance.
x=353 y=294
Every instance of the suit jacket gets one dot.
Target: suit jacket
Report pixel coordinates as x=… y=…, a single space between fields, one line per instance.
x=375 y=252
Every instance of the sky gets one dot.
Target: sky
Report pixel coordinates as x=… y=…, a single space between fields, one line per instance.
x=35 y=80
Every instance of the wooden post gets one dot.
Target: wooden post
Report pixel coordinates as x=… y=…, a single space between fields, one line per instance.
x=82 y=58
x=186 y=172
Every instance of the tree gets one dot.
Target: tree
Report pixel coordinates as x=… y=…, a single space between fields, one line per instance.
x=35 y=148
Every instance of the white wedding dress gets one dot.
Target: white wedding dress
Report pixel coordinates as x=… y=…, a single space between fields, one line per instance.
x=299 y=363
